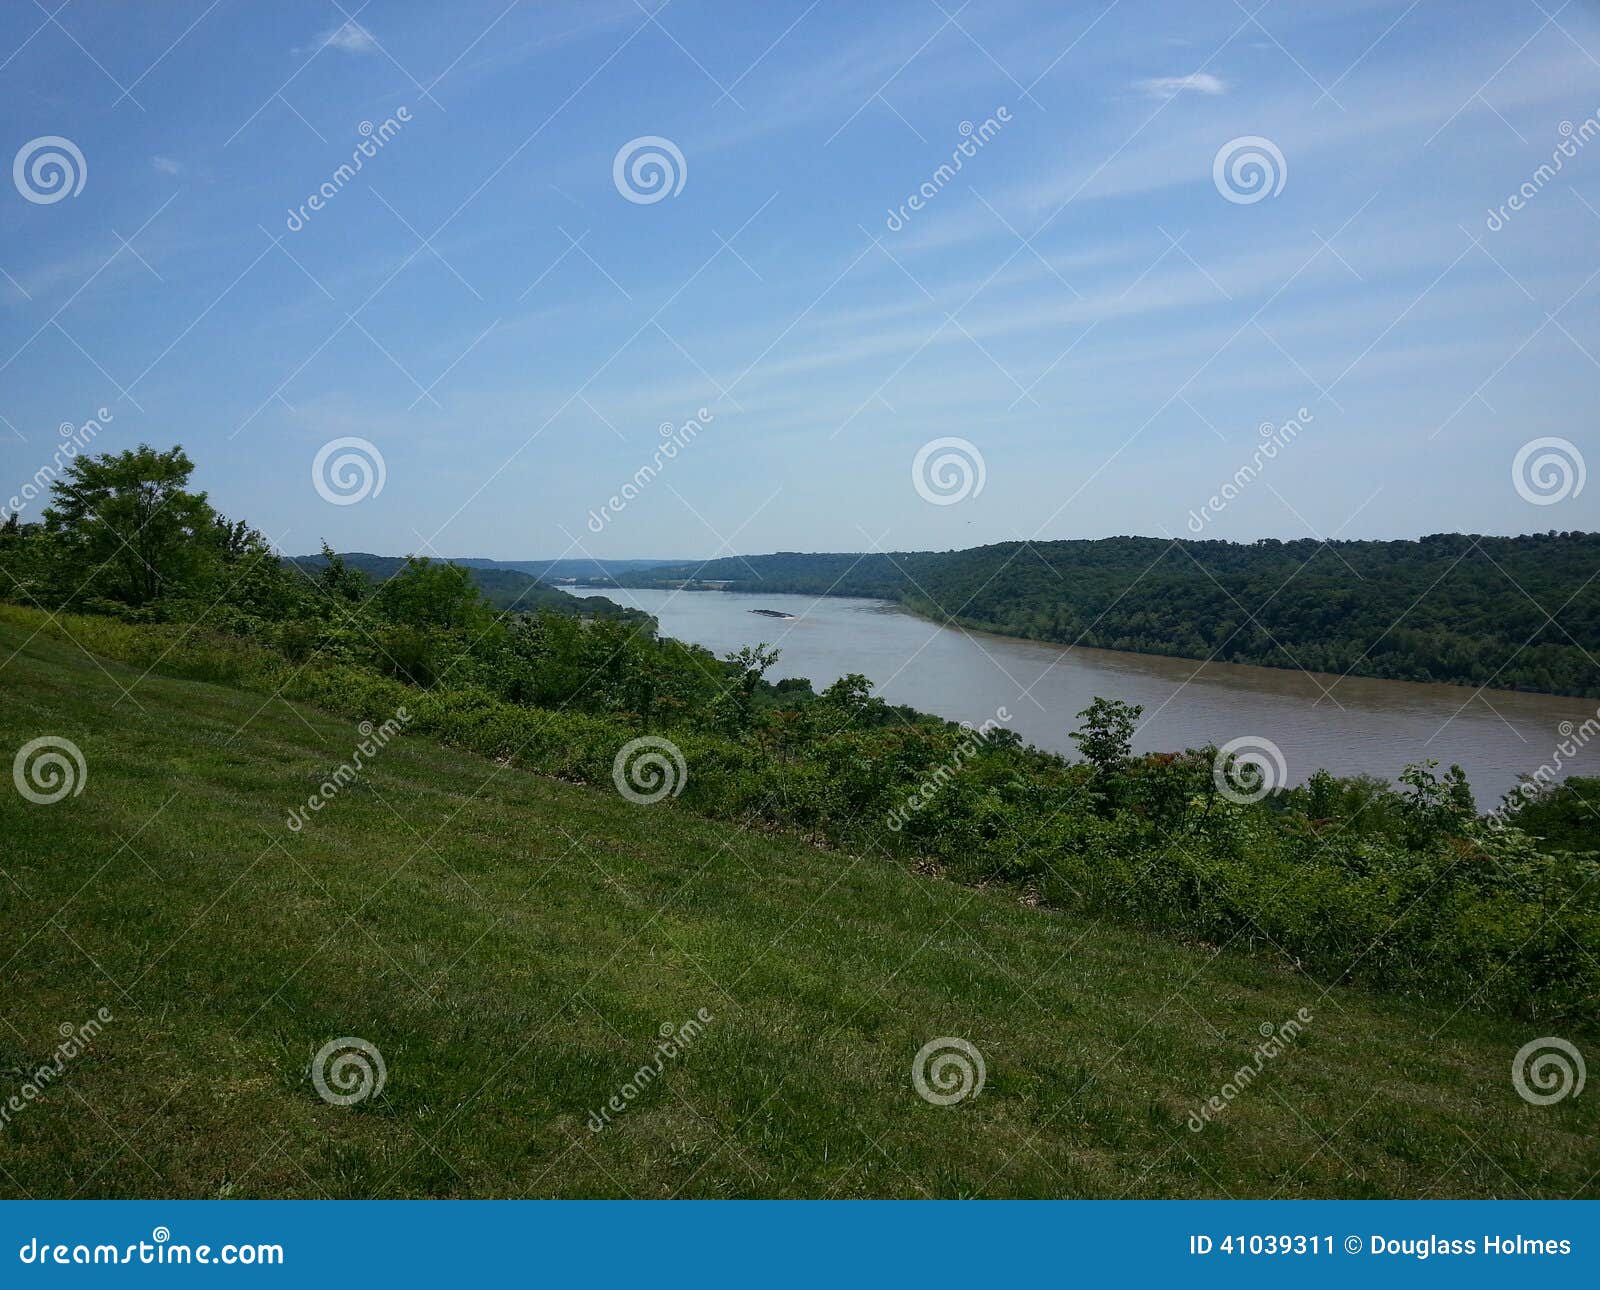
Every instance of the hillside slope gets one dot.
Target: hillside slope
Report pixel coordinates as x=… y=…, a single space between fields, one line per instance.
x=513 y=946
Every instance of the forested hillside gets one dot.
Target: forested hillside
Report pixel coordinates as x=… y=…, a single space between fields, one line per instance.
x=1518 y=613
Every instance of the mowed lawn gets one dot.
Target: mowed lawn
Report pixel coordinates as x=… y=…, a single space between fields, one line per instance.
x=513 y=947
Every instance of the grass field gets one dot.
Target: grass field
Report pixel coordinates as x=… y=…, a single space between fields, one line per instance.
x=513 y=945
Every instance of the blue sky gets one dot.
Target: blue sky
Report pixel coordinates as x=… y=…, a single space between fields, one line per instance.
x=1082 y=303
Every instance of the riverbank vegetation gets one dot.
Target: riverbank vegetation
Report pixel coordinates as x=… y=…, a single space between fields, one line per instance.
x=1406 y=888
x=1514 y=613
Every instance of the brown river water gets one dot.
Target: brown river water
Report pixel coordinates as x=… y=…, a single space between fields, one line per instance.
x=1348 y=725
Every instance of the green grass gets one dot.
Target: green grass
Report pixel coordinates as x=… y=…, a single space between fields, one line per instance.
x=511 y=944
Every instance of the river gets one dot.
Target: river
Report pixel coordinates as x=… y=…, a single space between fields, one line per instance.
x=1347 y=725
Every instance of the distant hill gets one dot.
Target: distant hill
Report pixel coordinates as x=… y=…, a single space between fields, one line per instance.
x=1517 y=613
x=502 y=587
x=585 y=570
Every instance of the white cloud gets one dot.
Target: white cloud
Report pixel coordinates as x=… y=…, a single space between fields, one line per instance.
x=166 y=165
x=1166 y=87
x=351 y=37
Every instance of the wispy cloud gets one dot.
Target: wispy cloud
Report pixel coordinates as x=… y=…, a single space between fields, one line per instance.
x=1166 y=87
x=351 y=37
x=166 y=165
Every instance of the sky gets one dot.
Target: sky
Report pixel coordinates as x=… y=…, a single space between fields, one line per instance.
x=574 y=224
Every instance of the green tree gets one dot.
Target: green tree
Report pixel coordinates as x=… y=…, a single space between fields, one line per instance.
x=128 y=524
x=1106 y=737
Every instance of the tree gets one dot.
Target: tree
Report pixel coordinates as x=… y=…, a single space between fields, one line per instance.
x=1107 y=734
x=128 y=523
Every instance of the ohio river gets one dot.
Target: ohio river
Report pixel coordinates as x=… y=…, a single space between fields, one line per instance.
x=1347 y=725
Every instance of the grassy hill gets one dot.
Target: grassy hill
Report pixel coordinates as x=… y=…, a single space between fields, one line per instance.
x=1516 y=613
x=513 y=945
